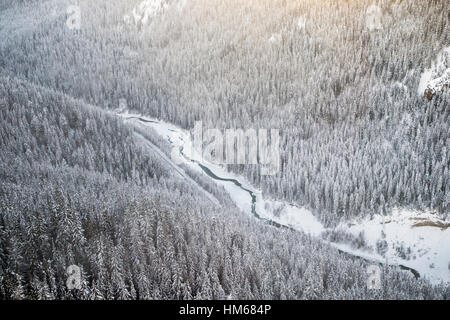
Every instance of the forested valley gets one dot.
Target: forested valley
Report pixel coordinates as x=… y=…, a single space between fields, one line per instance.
x=77 y=187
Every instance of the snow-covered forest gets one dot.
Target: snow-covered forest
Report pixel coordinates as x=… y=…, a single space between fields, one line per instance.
x=79 y=186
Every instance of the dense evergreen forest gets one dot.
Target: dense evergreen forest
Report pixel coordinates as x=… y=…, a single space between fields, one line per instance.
x=78 y=188
x=358 y=139
x=100 y=202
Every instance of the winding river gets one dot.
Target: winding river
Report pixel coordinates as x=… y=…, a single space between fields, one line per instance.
x=208 y=172
x=204 y=168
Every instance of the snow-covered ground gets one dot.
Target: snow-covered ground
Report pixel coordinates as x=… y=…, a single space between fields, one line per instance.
x=301 y=23
x=412 y=239
x=275 y=38
x=418 y=240
x=148 y=9
x=436 y=78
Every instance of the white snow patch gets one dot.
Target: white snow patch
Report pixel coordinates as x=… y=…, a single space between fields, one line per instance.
x=275 y=38
x=424 y=80
x=374 y=18
x=290 y=215
x=148 y=9
x=301 y=23
x=438 y=76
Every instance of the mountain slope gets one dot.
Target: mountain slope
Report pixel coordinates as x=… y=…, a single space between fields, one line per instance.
x=78 y=188
x=136 y=231
x=357 y=139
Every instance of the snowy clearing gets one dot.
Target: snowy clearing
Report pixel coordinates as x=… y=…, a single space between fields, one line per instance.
x=408 y=238
x=437 y=78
